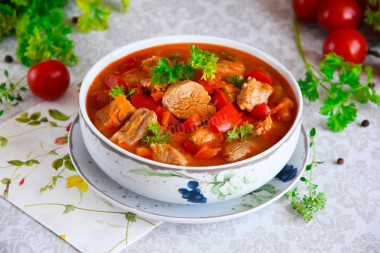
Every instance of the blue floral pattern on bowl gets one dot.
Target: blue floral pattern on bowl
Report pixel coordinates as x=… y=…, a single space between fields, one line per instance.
x=193 y=195
x=287 y=173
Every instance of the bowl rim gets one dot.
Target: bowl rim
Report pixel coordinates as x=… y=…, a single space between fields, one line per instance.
x=176 y=39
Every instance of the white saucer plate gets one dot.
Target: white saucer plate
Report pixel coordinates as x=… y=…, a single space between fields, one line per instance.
x=188 y=213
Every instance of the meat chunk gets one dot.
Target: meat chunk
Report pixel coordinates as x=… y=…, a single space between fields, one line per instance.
x=186 y=98
x=133 y=77
x=151 y=87
x=202 y=136
x=236 y=151
x=135 y=128
x=228 y=68
x=231 y=92
x=114 y=114
x=253 y=93
x=167 y=154
x=264 y=126
x=150 y=63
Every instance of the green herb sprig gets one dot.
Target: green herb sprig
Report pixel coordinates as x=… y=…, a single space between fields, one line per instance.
x=342 y=82
x=236 y=80
x=170 y=72
x=240 y=132
x=372 y=15
x=313 y=202
x=10 y=92
x=116 y=90
x=157 y=136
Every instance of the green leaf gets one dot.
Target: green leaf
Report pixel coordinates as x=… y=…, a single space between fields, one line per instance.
x=57 y=163
x=94 y=16
x=69 y=165
x=67 y=157
x=203 y=60
x=35 y=116
x=52 y=152
x=34 y=123
x=157 y=137
x=236 y=80
x=116 y=90
x=6 y=180
x=31 y=162
x=16 y=162
x=309 y=167
x=22 y=120
x=58 y=115
x=130 y=217
x=69 y=208
x=3 y=141
x=23 y=115
x=312 y=132
x=44 y=119
x=53 y=124
x=309 y=87
x=240 y=132
x=125 y=4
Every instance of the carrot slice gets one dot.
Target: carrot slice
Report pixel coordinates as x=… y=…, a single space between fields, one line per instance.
x=157 y=96
x=143 y=152
x=123 y=106
x=206 y=152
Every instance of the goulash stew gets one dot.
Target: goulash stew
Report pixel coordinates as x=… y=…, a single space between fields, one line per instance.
x=191 y=105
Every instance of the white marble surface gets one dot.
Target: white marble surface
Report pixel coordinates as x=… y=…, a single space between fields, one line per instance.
x=351 y=220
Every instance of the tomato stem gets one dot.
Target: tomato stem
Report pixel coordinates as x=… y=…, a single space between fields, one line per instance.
x=299 y=46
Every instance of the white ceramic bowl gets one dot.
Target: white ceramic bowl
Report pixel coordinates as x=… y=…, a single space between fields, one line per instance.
x=167 y=182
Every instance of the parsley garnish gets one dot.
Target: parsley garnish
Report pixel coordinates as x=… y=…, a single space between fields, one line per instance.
x=170 y=72
x=10 y=92
x=241 y=133
x=236 y=80
x=130 y=92
x=372 y=14
x=342 y=81
x=157 y=137
x=117 y=90
x=314 y=202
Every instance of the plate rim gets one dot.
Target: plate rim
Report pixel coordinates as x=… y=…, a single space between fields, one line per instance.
x=177 y=219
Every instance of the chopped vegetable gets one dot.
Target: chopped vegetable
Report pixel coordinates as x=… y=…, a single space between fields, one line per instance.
x=219 y=99
x=260 y=75
x=157 y=96
x=116 y=90
x=260 y=111
x=236 y=80
x=342 y=81
x=313 y=203
x=168 y=119
x=190 y=124
x=170 y=72
x=224 y=119
x=157 y=136
x=143 y=101
x=206 y=152
x=241 y=133
x=144 y=152
x=208 y=86
x=190 y=147
x=112 y=80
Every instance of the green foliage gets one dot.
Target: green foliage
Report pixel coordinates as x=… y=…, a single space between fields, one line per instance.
x=313 y=202
x=241 y=133
x=372 y=16
x=170 y=71
x=236 y=80
x=41 y=31
x=10 y=92
x=341 y=80
x=157 y=136
x=117 y=90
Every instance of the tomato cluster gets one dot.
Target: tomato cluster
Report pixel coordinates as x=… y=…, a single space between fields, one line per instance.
x=340 y=18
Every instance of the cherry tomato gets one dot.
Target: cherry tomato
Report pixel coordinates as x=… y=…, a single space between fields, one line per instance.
x=338 y=13
x=48 y=79
x=306 y=10
x=348 y=43
x=113 y=80
x=260 y=75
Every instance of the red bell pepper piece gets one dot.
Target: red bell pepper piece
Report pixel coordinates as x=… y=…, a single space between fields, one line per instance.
x=209 y=87
x=224 y=119
x=190 y=124
x=260 y=75
x=144 y=101
x=260 y=111
x=219 y=99
x=112 y=80
x=190 y=147
x=244 y=118
x=206 y=152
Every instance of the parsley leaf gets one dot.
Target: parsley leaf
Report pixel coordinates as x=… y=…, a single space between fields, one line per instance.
x=165 y=73
x=236 y=80
x=341 y=79
x=203 y=60
x=95 y=15
x=372 y=15
x=241 y=133
x=116 y=90
x=157 y=137
x=312 y=203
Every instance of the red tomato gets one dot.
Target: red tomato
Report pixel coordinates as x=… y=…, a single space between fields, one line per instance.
x=306 y=10
x=99 y=99
x=219 y=99
x=260 y=75
x=48 y=79
x=190 y=147
x=112 y=80
x=348 y=43
x=209 y=87
x=144 y=101
x=334 y=14
x=260 y=111
x=224 y=119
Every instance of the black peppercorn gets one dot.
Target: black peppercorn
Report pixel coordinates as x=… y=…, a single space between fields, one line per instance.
x=365 y=123
x=75 y=20
x=340 y=161
x=8 y=58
